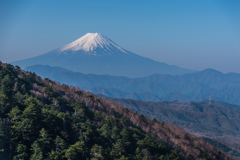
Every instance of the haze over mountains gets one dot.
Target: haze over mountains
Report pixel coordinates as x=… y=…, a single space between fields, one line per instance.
x=97 y=64
x=189 y=87
x=218 y=121
x=86 y=61
x=97 y=54
x=42 y=119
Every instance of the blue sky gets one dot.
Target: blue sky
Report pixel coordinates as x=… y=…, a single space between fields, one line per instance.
x=194 y=34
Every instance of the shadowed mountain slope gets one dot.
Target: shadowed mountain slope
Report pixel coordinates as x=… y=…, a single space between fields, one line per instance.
x=97 y=54
x=216 y=119
x=219 y=121
x=189 y=87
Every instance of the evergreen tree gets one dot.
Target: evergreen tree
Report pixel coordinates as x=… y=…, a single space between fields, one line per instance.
x=21 y=152
x=37 y=152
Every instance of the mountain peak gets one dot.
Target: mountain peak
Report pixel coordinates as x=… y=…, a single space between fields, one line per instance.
x=93 y=43
x=94 y=53
x=211 y=71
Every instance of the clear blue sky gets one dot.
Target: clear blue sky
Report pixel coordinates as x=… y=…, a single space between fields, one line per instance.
x=194 y=34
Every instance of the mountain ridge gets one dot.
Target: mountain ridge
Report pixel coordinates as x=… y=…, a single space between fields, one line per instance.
x=189 y=87
x=97 y=54
x=76 y=114
x=218 y=120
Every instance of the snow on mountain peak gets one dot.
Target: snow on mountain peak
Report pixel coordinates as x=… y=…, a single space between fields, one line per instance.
x=91 y=42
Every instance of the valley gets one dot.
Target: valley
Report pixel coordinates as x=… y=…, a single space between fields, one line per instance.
x=188 y=87
x=44 y=119
x=161 y=92
x=119 y=80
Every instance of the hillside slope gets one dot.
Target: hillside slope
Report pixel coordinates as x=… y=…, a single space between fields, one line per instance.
x=216 y=119
x=219 y=121
x=43 y=119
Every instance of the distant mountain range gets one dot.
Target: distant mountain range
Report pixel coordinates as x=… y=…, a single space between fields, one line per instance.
x=189 y=87
x=97 y=64
x=97 y=54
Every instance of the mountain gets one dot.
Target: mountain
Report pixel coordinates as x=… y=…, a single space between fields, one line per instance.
x=189 y=87
x=93 y=44
x=219 y=121
x=216 y=119
x=96 y=54
x=42 y=119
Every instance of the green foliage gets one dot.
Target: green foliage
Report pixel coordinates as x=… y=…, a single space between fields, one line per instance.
x=38 y=127
x=37 y=151
x=97 y=152
x=21 y=152
x=49 y=91
x=154 y=120
x=76 y=151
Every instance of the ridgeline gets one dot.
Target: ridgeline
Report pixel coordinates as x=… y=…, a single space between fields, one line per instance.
x=43 y=119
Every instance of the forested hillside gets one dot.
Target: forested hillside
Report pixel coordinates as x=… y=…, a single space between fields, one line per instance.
x=42 y=119
x=218 y=120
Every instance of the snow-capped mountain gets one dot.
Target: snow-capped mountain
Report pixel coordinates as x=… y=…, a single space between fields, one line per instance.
x=94 y=43
x=97 y=54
